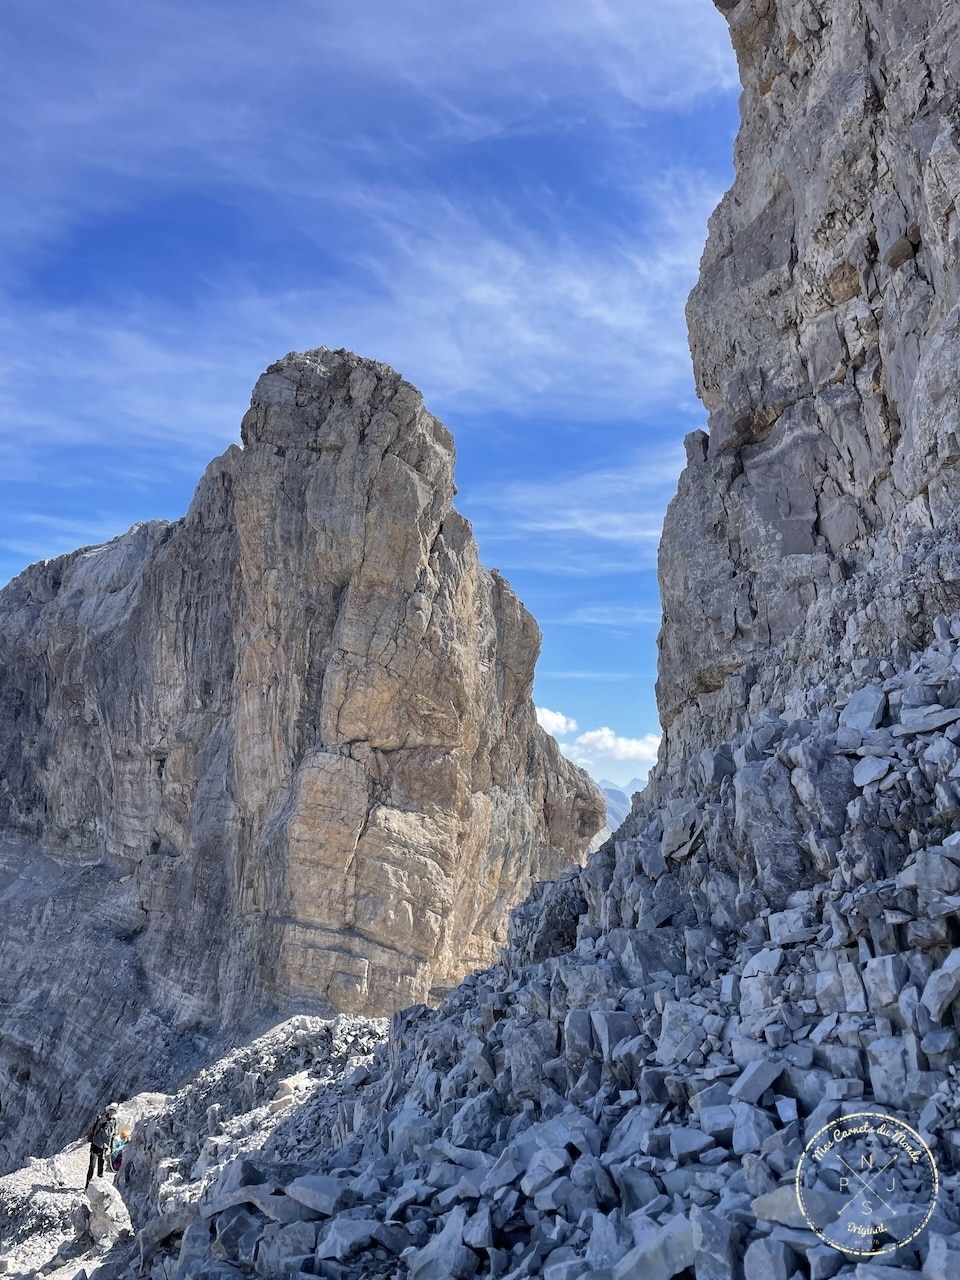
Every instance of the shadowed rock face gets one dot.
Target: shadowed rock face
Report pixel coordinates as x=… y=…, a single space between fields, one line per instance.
x=816 y=526
x=294 y=728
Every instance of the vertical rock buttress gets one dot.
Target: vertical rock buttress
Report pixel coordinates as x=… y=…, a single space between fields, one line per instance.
x=815 y=527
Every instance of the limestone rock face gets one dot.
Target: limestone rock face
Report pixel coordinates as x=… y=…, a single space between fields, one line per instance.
x=816 y=526
x=290 y=736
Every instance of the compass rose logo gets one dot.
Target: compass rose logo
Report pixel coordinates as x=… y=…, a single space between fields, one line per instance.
x=867 y=1183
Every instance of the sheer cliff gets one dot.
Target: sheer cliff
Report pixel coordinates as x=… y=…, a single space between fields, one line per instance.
x=815 y=526
x=769 y=946
x=282 y=749
x=770 y=943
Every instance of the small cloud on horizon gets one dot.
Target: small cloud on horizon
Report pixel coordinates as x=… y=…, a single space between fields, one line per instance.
x=596 y=749
x=555 y=722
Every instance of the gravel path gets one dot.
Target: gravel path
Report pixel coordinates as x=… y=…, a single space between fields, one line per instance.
x=44 y=1212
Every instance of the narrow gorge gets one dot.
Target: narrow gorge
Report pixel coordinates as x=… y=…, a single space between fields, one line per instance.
x=766 y=949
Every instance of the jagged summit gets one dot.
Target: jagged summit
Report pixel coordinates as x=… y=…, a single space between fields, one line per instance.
x=293 y=733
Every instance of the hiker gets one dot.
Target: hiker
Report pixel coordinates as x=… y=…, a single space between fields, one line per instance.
x=101 y=1136
x=116 y=1151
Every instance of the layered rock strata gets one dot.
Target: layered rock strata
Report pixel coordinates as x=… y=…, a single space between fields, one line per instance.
x=816 y=525
x=290 y=736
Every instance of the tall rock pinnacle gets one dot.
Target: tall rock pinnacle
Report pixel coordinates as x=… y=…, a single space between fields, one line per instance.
x=295 y=728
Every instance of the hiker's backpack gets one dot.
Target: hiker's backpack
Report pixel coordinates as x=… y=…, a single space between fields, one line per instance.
x=116 y=1162
x=92 y=1130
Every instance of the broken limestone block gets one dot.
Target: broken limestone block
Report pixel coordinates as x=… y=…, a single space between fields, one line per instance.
x=729 y=989
x=609 y=1241
x=660 y=1254
x=767 y=960
x=914 y=720
x=780 y=924
x=787 y=1110
x=864 y=709
x=238 y=1233
x=781 y=1206
x=843 y=1090
x=681 y=1031
x=824 y=1028
x=279 y=1243
x=681 y=821
x=718 y=1121
x=932 y=874
x=841 y=1060
x=887 y=1064
x=637 y=1188
x=883 y=979
x=446 y=1257
x=756 y=1078
x=758 y=992
x=824 y=1262
x=347 y=1235
x=942 y=987
x=830 y=994
x=687 y=1142
x=610 y=1027
x=769 y=1259
x=108 y=1213
x=478 y=1231
x=577 y=1037
x=526 y=1048
x=322 y=1193
x=947 y=800
x=543 y=1169
x=751 y=1128
x=854 y=997
x=941 y=1262
x=715 y=1243
x=940 y=1048
x=871 y=769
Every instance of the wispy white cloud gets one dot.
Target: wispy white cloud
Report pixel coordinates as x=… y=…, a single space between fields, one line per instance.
x=480 y=303
x=607 y=615
x=555 y=722
x=589 y=675
x=584 y=513
x=55 y=535
x=166 y=89
x=479 y=315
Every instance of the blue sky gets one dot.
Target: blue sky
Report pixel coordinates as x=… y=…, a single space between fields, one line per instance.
x=505 y=202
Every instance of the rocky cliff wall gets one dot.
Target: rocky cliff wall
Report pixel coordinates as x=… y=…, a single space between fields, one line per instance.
x=815 y=527
x=628 y=1094
x=291 y=736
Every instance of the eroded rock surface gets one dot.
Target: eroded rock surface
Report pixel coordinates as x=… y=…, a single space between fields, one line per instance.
x=290 y=737
x=628 y=1093
x=770 y=943
x=816 y=525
